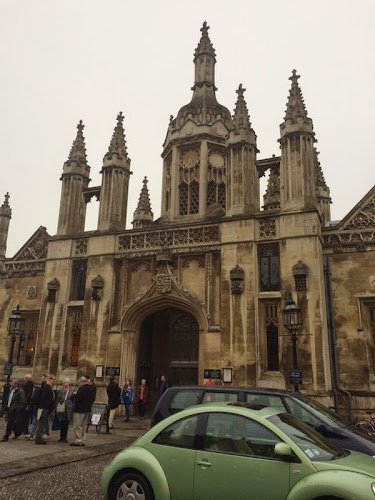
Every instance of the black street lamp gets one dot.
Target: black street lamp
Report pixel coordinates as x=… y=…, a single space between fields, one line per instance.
x=15 y=328
x=292 y=320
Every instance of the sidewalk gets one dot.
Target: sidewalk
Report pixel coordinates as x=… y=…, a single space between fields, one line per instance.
x=18 y=456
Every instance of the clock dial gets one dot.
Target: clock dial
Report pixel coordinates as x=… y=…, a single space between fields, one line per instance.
x=216 y=159
x=189 y=158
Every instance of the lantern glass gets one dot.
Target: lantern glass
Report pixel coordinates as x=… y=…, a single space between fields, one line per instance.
x=292 y=316
x=15 y=322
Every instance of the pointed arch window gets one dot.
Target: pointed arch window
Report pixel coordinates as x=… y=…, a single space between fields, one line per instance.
x=26 y=345
x=189 y=197
x=211 y=193
x=221 y=195
x=272 y=333
x=183 y=198
x=194 y=197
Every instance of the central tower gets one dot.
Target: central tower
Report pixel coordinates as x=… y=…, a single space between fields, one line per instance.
x=194 y=173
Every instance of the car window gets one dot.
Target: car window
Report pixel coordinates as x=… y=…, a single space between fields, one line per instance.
x=180 y=433
x=227 y=433
x=184 y=399
x=267 y=400
x=302 y=413
x=323 y=410
x=314 y=446
x=219 y=397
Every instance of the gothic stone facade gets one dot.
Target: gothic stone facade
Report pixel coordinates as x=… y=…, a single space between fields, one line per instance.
x=204 y=285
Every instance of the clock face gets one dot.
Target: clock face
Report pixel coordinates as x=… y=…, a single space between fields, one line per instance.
x=189 y=158
x=216 y=159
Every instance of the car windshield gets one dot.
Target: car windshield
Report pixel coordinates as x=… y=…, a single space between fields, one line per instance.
x=331 y=415
x=313 y=445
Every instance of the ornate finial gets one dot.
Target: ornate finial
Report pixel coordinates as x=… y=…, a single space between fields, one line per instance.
x=241 y=116
x=171 y=119
x=118 y=142
x=143 y=215
x=295 y=107
x=6 y=200
x=80 y=126
x=240 y=91
x=204 y=29
x=78 y=150
x=294 y=78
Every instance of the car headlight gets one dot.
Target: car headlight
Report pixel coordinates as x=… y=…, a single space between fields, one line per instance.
x=373 y=488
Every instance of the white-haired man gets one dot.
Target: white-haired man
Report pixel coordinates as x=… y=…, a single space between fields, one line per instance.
x=82 y=401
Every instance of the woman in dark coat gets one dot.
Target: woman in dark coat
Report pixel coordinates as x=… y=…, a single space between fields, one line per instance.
x=114 y=399
x=142 y=398
x=64 y=397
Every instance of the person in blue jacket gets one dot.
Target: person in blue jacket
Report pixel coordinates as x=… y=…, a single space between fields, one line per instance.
x=127 y=397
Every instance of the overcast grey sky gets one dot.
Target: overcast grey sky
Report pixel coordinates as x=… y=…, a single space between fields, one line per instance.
x=89 y=59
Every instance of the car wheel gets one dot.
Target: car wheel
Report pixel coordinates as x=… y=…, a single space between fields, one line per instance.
x=131 y=486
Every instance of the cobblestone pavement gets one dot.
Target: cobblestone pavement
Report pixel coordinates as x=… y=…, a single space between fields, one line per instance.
x=77 y=480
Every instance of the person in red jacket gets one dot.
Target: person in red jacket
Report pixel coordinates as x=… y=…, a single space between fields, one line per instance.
x=142 y=398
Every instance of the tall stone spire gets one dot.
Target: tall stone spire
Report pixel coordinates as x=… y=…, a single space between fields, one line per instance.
x=271 y=198
x=295 y=107
x=243 y=182
x=241 y=119
x=5 y=216
x=117 y=146
x=143 y=215
x=204 y=60
x=115 y=182
x=297 y=167
x=322 y=191
x=75 y=178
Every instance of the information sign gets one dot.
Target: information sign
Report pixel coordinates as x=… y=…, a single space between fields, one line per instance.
x=8 y=369
x=112 y=370
x=295 y=377
x=98 y=416
x=214 y=374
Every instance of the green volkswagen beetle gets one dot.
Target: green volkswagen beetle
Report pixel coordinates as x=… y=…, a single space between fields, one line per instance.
x=237 y=451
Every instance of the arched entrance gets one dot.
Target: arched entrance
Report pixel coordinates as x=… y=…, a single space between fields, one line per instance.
x=168 y=344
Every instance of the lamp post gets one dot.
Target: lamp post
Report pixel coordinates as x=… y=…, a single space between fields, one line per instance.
x=15 y=328
x=292 y=320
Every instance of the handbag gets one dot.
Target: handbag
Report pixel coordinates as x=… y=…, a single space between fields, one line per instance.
x=60 y=408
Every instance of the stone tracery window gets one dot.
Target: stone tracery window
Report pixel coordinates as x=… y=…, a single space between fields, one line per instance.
x=194 y=197
x=79 y=279
x=189 y=198
x=221 y=195
x=269 y=267
x=26 y=344
x=272 y=333
x=211 y=193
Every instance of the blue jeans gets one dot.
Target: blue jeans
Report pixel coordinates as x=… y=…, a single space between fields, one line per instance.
x=34 y=425
x=127 y=409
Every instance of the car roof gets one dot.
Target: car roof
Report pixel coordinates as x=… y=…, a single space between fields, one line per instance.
x=233 y=407
x=221 y=388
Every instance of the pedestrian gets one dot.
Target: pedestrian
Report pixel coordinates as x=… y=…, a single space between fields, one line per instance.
x=28 y=387
x=34 y=411
x=82 y=401
x=64 y=409
x=127 y=397
x=92 y=386
x=114 y=399
x=14 y=414
x=46 y=404
x=209 y=382
x=163 y=385
x=142 y=398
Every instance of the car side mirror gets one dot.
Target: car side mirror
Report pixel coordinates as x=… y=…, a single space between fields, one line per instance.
x=283 y=450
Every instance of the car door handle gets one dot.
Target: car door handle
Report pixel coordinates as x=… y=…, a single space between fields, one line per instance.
x=204 y=463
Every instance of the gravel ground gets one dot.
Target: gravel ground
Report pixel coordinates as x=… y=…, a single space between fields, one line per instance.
x=77 y=480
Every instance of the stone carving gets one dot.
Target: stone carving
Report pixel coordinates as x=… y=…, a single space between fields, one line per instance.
x=35 y=248
x=31 y=292
x=237 y=277
x=177 y=237
x=33 y=266
x=163 y=283
x=267 y=228
x=300 y=269
x=364 y=218
x=81 y=247
x=342 y=238
x=97 y=285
